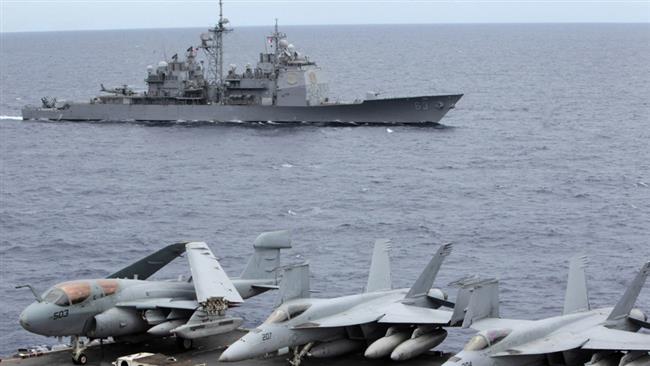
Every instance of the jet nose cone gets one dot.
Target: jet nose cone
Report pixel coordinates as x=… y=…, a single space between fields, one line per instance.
x=23 y=321
x=25 y=318
x=35 y=319
x=236 y=352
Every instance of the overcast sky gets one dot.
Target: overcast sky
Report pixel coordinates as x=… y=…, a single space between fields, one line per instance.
x=49 y=15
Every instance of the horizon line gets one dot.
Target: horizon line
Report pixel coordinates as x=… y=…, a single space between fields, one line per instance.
x=329 y=25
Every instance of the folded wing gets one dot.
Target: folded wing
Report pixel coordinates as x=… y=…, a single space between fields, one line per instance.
x=150 y=264
x=210 y=280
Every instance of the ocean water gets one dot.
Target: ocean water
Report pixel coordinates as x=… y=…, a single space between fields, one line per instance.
x=546 y=156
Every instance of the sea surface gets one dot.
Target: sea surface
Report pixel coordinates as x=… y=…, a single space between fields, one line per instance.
x=546 y=156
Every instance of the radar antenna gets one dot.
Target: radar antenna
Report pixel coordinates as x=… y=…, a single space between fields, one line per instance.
x=212 y=45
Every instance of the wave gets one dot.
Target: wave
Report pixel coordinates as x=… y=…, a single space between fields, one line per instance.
x=16 y=118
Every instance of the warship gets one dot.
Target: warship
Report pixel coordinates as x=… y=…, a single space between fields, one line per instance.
x=284 y=87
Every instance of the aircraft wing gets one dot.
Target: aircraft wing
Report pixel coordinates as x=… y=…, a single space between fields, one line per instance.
x=557 y=342
x=602 y=338
x=395 y=313
x=498 y=323
x=210 y=280
x=354 y=316
x=166 y=303
x=406 y=314
x=150 y=264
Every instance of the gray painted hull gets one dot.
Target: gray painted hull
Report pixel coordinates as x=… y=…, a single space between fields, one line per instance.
x=425 y=109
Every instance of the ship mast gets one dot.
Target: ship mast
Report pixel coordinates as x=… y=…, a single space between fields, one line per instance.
x=219 y=30
x=212 y=44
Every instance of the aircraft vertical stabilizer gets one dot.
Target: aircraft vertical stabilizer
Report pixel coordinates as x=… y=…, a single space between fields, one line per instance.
x=266 y=259
x=465 y=287
x=294 y=283
x=423 y=284
x=483 y=302
x=625 y=304
x=577 y=297
x=379 y=276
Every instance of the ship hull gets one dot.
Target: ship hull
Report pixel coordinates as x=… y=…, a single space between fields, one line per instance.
x=411 y=110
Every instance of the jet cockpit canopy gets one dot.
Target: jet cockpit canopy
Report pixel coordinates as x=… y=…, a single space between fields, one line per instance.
x=284 y=313
x=68 y=293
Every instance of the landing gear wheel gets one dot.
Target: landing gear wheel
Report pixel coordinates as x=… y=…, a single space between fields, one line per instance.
x=184 y=343
x=80 y=359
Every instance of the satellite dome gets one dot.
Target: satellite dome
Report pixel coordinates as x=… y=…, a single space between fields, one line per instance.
x=162 y=64
x=205 y=36
x=284 y=43
x=291 y=47
x=149 y=67
x=225 y=21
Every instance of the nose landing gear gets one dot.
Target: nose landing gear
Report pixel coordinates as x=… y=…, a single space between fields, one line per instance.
x=299 y=354
x=78 y=348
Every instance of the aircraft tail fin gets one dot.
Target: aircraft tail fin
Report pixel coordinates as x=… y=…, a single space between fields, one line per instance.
x=465 y=286
x=266 y=259
x=423 y=284
x=150 y=264
x=379 y=276
x=482 y=299
x=577 y=296
x=625 y=304
x=294 y=283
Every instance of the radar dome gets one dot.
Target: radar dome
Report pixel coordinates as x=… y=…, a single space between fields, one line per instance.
x=162 y=64
x=284 y=43
x=205 y=36
x=291 y=47
x=225 y=21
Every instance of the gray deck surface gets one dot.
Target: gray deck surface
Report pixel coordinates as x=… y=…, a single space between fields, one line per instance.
x=206 y=351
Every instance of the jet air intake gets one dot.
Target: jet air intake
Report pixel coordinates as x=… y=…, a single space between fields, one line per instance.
x=116 y=322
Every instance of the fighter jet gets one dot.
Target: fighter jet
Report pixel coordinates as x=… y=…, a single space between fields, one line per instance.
x=401 y=323
x=125 y=304
x=579 y=335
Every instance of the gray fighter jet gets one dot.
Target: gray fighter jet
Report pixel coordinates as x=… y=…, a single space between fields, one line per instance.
x=125 y=305
x=599 y=337
x=397 y=323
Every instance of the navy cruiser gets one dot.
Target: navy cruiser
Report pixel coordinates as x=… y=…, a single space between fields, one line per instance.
x=284 y=86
